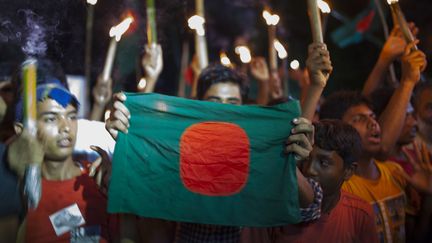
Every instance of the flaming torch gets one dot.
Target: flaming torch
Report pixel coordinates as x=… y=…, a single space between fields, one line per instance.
x=225 y=60
x=32 y=176
x=196 y=23
x=400 y=20
x=315 y=21
x=271 y=20
x=115 y=33
x=280 y=49
x=325 y=10
x=282 y=54
x=29 y=76
x=244 y=53
x=88 y=41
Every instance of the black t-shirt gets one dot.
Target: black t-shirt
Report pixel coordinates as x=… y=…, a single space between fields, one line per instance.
x=10 y=194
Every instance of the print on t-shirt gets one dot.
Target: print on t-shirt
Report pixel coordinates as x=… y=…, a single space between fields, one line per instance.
x=390 y=218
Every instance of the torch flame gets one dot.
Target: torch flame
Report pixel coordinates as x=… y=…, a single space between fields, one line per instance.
x=225 y=60
x=271 y=19
x=142 y=83
x=244 y=53
x=282 y=53
x=196 y=23
x=92 y=2
x=295 y=64
x=324 y=7
x=121 y=28
x=392 y=1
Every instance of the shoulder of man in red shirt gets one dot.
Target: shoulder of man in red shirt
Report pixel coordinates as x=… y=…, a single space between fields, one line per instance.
x=356 y=203
x=363 y=216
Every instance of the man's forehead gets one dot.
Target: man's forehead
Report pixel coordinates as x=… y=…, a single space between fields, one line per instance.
x=320 y=151
x=332 y=154
x=361 y=109
x=224 y=90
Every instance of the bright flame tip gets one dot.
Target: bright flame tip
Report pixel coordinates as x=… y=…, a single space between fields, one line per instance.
x=323 y=6
x=295 y=64
x=392 y=1
x=121 y=28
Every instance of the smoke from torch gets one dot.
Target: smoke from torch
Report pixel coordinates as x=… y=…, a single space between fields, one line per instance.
x=35 y=44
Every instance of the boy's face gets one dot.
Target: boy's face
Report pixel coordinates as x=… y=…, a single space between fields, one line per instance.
x=362 y=118
x=327 y=168
x=226 y=93
x=56 y=128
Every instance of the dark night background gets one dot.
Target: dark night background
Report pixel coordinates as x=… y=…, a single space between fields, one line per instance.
x=64 y=23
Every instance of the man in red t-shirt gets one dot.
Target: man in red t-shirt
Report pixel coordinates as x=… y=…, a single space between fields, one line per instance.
x=72 y=208
x=344 y=217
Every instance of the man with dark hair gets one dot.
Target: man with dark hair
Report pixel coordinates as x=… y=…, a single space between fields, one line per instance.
x=344 y=217
x=71 y=209
x=405 y=147
x=211 y=78
x=338 y=103
x=381 y=184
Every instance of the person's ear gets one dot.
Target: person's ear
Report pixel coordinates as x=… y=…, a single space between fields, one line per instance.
x=19 y=127
x=350 y=171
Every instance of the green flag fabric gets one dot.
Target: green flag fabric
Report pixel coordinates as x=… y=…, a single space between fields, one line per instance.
x=203 y=162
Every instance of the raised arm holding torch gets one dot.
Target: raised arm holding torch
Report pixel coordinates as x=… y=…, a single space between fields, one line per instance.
x=271 y=20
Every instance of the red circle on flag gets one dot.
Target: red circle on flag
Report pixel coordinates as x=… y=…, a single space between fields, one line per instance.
x=214 y=158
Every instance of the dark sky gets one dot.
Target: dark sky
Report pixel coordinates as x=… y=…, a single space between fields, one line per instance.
x=64 y=22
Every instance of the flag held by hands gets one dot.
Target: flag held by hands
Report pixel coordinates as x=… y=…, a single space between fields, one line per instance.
x=203 y=162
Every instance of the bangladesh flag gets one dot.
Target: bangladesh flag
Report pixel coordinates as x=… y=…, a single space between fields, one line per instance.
x=202 y=162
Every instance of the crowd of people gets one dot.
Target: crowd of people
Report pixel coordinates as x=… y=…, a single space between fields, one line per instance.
x=364 y=171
